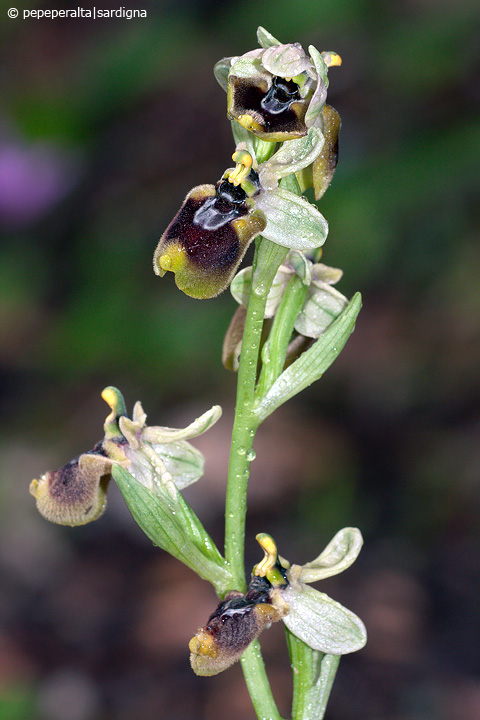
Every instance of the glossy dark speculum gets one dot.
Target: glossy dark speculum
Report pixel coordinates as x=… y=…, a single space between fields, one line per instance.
x=233 y=624
x=273 y=105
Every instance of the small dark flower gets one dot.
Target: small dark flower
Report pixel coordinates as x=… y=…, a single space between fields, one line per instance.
x=279 y=591
x=276 y=92
x=77 y=493
x=206 y=241
x=208 y=237
x=230 y=629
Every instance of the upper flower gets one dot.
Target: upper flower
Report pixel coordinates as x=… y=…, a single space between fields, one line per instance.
x=280 y=591
x=76 y=494
x=277 y=92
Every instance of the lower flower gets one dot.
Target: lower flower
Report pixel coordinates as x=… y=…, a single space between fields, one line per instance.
x=280 y=591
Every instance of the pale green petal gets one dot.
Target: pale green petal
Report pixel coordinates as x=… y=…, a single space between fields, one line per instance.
x=322 y=623
x=157 y=434
x=339 y=554
x=286 y=60
x=295 y=155
x=291 y=220
x=221 y=70
x=322 y=306
x=265 y=39
x=320 y=95
x=149 y=469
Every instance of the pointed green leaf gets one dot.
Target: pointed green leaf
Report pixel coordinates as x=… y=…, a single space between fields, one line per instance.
x=311 y=365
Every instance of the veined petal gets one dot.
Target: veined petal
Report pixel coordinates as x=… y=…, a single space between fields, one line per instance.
x=322 y=623
x=291 y=220
x=158 y=434
x=326 y=274
x=183 y=461
x=339 y=554
x=148 y=468
x=295 y=155
x=286 y=61
x=248 y=65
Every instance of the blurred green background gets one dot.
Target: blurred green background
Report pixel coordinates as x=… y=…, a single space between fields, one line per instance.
x=104 y=127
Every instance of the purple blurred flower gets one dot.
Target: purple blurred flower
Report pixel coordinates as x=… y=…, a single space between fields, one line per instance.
x=33 y=178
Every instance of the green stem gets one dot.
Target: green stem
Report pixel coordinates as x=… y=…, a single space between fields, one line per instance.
x=313 y=676
x=266 y=262
x=257 y=683
x=275 y=349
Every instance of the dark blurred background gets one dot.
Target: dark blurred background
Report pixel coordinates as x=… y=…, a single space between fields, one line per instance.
x=104 y=127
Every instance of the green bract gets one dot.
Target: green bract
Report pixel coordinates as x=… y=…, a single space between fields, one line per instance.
x=278 y=91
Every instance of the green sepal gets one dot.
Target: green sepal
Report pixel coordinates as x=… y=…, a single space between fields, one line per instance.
x=171 y=524
x=266 y=39
x=292 y=221
x=323 y=623
x=311 y=365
